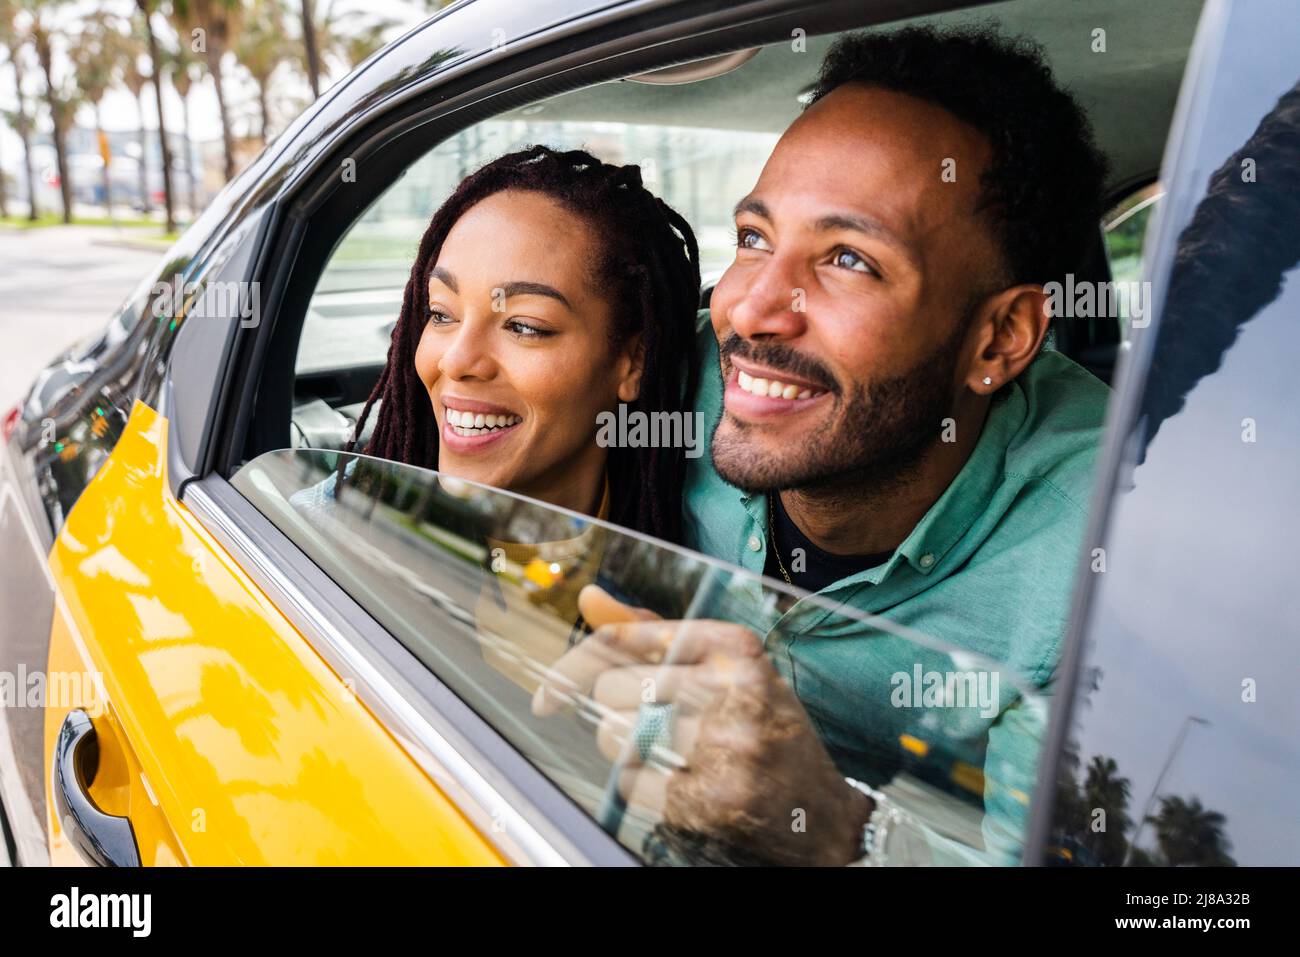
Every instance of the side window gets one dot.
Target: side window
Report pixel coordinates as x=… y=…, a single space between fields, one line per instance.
x=1182 y=747
x=482 y=587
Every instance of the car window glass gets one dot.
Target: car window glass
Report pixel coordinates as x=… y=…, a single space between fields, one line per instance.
x=1182 y=748
x=482 y=586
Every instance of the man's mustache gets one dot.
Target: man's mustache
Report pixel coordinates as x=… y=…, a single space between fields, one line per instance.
x=778 y=357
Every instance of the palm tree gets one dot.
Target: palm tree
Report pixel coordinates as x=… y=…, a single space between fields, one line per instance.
x=11 y=44
x=61 y=103
x=97 y=61
x=261 y=49
x=1188 y=833
x=135 y=80
x=146 y=9
x=1104 y=788
x=180 y=67
x=212 y=26
x=312 y=54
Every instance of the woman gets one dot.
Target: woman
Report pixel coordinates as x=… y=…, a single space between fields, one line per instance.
x=549 y=288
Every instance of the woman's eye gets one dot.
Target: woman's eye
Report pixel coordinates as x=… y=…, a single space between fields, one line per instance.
x=439 y=318
x=848 y=259
x=524 y=331
x=747 y=238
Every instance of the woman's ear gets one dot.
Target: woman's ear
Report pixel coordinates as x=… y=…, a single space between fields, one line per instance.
x=629 y=369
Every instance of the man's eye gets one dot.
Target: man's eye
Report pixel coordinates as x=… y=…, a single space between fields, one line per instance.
x=848 y=259
x=747 y=238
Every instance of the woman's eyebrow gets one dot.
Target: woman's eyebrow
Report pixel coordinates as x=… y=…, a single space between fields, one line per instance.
x=521 y=288
x=444 y=277
x=517 y=288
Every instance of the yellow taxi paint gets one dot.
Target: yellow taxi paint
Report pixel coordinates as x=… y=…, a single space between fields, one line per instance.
x=224 y=736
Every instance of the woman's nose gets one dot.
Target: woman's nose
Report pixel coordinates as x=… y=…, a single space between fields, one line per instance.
x=468 y=355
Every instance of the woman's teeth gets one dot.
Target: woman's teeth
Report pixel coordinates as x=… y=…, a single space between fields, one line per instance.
x=476 y=423
x=772 y=388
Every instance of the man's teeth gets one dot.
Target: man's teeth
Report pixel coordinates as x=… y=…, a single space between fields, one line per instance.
x=772 y=388
x=476 y=423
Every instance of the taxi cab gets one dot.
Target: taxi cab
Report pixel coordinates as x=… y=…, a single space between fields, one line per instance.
x=225 y=680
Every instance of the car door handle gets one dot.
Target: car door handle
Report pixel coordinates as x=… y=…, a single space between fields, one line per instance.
x=100 y=838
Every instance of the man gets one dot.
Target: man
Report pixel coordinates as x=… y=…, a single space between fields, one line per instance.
x=891 y=435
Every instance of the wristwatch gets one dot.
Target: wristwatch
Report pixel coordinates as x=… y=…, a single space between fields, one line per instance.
x=874 y=847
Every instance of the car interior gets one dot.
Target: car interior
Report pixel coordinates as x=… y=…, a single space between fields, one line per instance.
x=683 y=123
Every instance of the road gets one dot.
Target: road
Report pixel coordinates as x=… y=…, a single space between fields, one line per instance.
x=57 y=285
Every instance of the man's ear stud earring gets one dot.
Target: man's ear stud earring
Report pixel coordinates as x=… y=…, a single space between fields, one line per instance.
x=988 y=380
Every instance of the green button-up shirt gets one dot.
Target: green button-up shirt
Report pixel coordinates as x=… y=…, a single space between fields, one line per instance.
x=988 y=569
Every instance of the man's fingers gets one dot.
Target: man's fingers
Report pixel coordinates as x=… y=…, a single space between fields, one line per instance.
x=692 y=642
x=608 y=647
x=599 y=608
x=625 y=689
x=717 y=643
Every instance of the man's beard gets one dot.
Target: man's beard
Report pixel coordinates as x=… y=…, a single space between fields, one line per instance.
x=880 y=431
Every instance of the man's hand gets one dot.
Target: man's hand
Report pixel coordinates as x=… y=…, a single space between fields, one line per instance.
x=745 y=766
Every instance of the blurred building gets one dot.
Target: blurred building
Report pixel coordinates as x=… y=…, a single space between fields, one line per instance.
x=86 y=170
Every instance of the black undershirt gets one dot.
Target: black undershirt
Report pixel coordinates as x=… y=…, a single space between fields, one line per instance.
x=820 y=568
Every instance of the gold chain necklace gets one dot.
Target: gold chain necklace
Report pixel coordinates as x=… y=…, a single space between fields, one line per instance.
x=771 y=532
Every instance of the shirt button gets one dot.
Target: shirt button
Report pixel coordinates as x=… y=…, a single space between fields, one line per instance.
x=927 y=560
x=755 y=544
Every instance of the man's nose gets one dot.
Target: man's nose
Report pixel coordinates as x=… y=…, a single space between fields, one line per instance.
x=771 y=305
x=469 y=354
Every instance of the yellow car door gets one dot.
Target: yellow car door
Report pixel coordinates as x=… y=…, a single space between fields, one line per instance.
x=221 y=736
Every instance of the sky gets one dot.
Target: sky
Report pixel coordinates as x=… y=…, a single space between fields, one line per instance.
x=119 y=107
